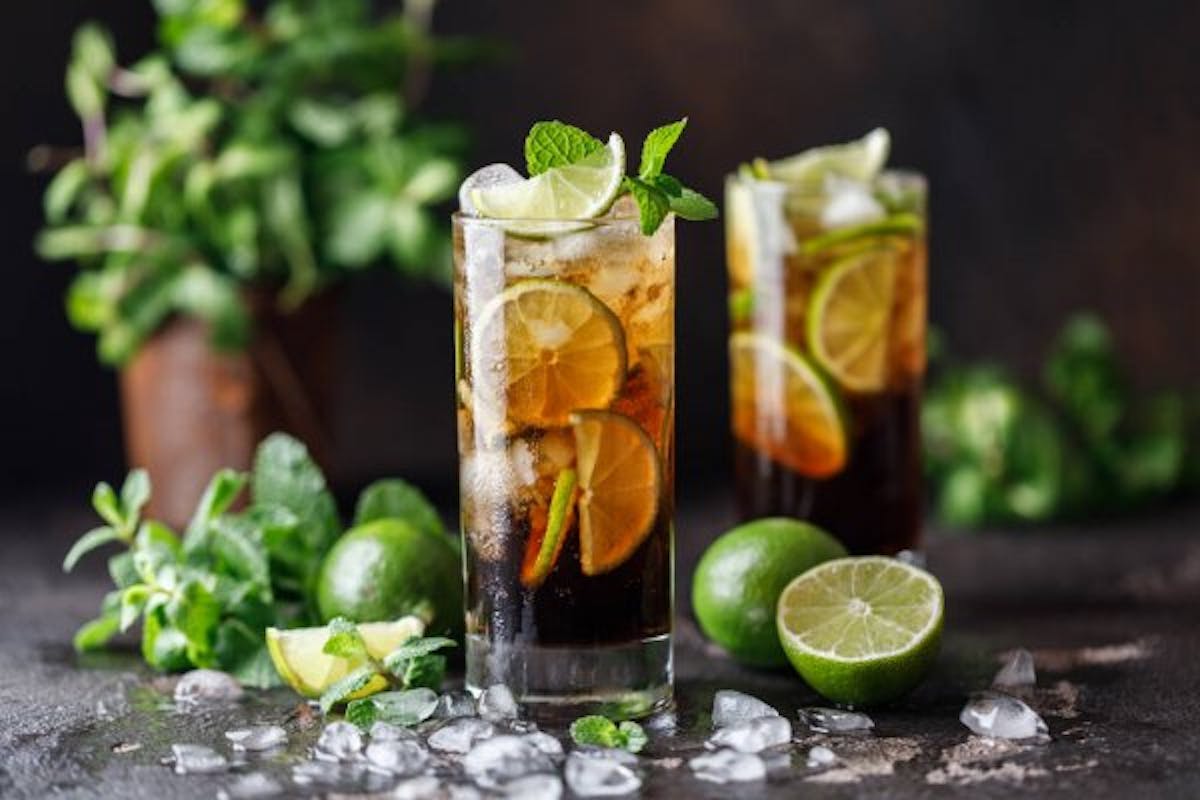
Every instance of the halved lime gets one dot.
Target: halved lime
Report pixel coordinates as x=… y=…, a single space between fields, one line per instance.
x=299 y=660
x=860 y=160
x=850 y=316
x=784 y=408
x=861 y=631
x=580 y=191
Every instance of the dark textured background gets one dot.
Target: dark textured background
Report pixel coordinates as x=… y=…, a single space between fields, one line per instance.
x=1060 y=140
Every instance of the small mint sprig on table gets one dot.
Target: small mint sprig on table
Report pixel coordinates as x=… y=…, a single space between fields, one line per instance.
x=414 y=665
x=557 y=144
x=600 y=731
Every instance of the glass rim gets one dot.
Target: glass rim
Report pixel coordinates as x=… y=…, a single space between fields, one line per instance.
x=461 y=216
x=907 y=177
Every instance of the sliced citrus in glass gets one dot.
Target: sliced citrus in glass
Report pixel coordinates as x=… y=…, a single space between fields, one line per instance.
x=783 y=407
x=859 y=160
x=542 y=349
x=645 y=396
x=849 y=319
x=580 y=191
x=861 y=631
x=299 y=660
x=548 y=531
x=620 y=488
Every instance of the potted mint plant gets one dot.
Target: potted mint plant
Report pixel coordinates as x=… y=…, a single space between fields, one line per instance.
x=228 y=180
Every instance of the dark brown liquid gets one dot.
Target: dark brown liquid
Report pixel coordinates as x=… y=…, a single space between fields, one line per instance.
x=628 y=604
x=874 y=504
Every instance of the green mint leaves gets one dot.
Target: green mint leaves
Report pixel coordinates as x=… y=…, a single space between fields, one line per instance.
x=556 y=144
x=603 y=732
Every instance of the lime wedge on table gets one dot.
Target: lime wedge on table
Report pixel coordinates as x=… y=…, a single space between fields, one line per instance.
x=861 y=631
x=849 y=319
x=298 y=658
x=579 y=191
x=860 y=160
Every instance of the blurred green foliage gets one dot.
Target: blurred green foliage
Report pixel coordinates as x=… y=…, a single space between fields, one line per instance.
x=1083 y=444
x=275 y=143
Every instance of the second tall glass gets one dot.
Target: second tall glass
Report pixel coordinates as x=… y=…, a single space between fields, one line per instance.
x=828 y=352
x=565 y=375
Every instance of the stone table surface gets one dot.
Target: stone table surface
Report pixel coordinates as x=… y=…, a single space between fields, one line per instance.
x=1110 y=611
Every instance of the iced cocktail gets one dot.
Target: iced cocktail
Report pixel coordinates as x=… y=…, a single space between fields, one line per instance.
x=827 y=272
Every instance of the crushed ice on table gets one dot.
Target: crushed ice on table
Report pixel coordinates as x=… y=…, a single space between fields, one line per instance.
x=534 y=787
x=726 y=766
x=425 y=787
x=1001 y=716
x=329 y=773
x=258 y=737
x=340 y=741
x=204 y=686
x=387 y=732
x=250 y=786
x=820 y=756
x=611 y=753
x=1017 y=673
x=397 y=757
x=544 y=742
x=497 y=704
x=730 y=707
x=484 y=178
x=196 y=758
x=496 y=761
x=753 y=735
x=455 y=704
x=460 y=735
x=588 y=776
x=835 y=720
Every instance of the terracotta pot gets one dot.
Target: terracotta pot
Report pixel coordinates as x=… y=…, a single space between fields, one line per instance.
x=189 y=410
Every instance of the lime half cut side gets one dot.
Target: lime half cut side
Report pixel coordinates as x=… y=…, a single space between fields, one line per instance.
x=300 y=660
x=859 y=160
x=562 y=196
x=861 y=631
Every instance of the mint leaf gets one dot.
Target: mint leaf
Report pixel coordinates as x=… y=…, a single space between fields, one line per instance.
x=241 y=650
x=398 y=499
x=416 y=647
x=556 y=144
x=416 y=664
x=285 y=475
x=195 y=613
x=409 y=707
x=669 y=186
x=95 y=634
x=105 y=501
x=693 y=206
x=122 y=571
x=343 y=688
x=653 y=204
x=634 y=738
x=134 y=494
x=133 y=602
x=164 y=646
x=345 y=641
x=89 y=542
x=595 y=730
x=656 y=146
x=218 y=496
x=424 y=672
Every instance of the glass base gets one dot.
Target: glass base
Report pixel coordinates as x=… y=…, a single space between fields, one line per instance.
x=560 y=683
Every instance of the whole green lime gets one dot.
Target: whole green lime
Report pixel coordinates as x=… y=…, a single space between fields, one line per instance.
x=387 y=569
x=741 y=575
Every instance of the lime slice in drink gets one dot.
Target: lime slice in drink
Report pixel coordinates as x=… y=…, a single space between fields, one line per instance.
x=849 y=317
x=783 y=407
x=547 y=531
x=545 y=348
x=861 y=631
x=860 y=160
x=299 y=660
x=580 y=191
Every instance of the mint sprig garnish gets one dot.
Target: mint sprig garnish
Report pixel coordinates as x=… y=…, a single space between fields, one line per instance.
x=556 y=144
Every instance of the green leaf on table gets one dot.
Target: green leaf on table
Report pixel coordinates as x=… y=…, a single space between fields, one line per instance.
x=345 y=687
x=399 y=499
x=236 y=542
x=407 y=708
x=96 y=633
x=634 y=737
x=286 y=476
x=133 y=602
x=195 y=613
x=154 y=547
x=105 y=501
x=94 y=538
x=556 y=144
x=345 y=641
x=164 y=647
x=122 y=570
x=242 y=652
x=656 y=146
x=595 y=730
x=135 y=492
x=424 y=672
x=416 y=647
